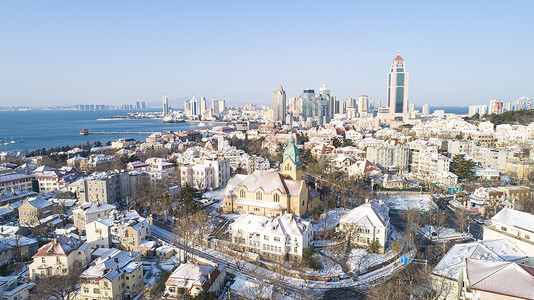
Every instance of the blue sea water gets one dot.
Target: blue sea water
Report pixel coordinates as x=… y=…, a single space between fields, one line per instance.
x=47 y=129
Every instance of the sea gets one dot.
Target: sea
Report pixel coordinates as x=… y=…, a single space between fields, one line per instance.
x=36 y=129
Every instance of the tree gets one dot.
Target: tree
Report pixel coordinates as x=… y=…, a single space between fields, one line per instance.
x=57 y=287
x=159 y=286
x=374 y=246
x=347 y=142
x=461 y=219
x=336 y=142
x=462 y=167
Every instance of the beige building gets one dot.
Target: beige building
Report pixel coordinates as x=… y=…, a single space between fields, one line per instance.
x=115 y=275
x=366 y=223
x=35 y=209
x=59 y=257
x=192 y=278
x=15 y=288
x=90 y=212
x=272 y=192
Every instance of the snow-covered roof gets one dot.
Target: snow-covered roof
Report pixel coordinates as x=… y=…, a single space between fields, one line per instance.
x=60 y=246
x=515 y=218
x=452 y=263
x=502 y=278
x=113 y=264
x=39 y=202
x=192 y=274
x=281 y=225
x=368 y=214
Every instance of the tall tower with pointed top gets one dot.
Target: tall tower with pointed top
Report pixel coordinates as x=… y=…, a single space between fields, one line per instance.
x=397 y=96
x=279 y=105
x=291 y=165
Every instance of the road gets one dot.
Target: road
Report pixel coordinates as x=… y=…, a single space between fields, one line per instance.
x=294 y=287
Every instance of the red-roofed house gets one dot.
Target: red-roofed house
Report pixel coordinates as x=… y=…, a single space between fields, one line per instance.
x=59 y=257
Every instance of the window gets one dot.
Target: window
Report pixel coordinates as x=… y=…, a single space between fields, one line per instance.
x=276 y=197
x=276 y=239
x=96 y=291
x=265 y=237
x=43 y=260
x=86 y=290
x=527 y=236
x=242 y=194
x=258 y=195
x=503 y=228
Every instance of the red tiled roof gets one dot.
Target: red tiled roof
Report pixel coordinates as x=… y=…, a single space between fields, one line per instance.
x=398 y=58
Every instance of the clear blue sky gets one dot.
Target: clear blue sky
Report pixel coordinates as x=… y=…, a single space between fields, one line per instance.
x=68 y=52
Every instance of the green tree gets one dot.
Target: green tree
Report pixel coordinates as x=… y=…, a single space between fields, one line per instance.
x=462 y=167
x=336 y=142
x=347 y=142
x=374 y=245
x=188 y=197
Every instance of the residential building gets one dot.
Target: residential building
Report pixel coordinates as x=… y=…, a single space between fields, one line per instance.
x=14 y=288
x=193 y=278
x=364 y=168
x=59 y=257
x=51 y=179
x=35 y=209
x=125 y=231
x=432 y=164
x=516 y=226
x=107 y=187
x=466 y=147
x=366 y=223
x=446 y=275
x=274 y=238
x=389 y=158
x=15 y=181
x=496 y=280
x=90 y=212
x=115 y=275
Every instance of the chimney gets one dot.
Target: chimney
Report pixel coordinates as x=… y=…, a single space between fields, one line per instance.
x=116 y=260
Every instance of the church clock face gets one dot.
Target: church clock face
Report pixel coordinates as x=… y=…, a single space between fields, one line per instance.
x=399 y=64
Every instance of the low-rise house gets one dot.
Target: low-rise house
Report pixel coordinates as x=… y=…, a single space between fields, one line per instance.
x=13 y=288
x=516 y=226
x=366 y=223
x=192 y=278
x=364 y=168
x=15 y=247
x=274 y=238
x=115 y=275
x=51 y=179
x=496 y=280
x=60 y=257
x=445 y=277
x=126 y=231
x=35 y=209
x=388 y=181
x=19 y=181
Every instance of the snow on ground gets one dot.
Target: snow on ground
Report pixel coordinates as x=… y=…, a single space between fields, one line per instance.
x=217 y=194
x=329 y=219
x=216 y=197
x=170 y=264
x=421 y=202
x=442 y=233
x=367 y=259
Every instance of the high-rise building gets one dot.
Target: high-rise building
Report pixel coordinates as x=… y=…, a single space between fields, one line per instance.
x=143 y=105
x=218 y=106
x=426 y=110
x=397 y=91
x=192 y=109
x=165 y=105
x=279 y=105
x=363 y=103
x=411 y=108
x=202 y=105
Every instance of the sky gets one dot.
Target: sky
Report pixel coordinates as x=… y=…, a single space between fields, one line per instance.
x=104 y=52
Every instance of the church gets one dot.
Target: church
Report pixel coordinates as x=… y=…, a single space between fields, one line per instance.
x=272 y=192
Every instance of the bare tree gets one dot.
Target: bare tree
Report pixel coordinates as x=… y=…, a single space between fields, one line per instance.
x=57 y=287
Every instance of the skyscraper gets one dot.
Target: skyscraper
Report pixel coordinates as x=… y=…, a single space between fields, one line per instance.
x=397 y=95
x=426 y=110
x=165 y=105
x=363 y=103
x=279 y=105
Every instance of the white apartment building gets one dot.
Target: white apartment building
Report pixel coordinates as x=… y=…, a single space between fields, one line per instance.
x=275 y=238
x=389 y=158
x=466 y=147
x=516 y=226
x=212 y=174
x=432 y=164
x=366 y=223
x=418 y=148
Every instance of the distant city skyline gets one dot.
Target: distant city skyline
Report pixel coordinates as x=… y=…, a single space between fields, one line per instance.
x=109 y=53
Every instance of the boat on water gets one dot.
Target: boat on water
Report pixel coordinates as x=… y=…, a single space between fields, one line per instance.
x=84 y=131
x=201 y=124
x=12 y=141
